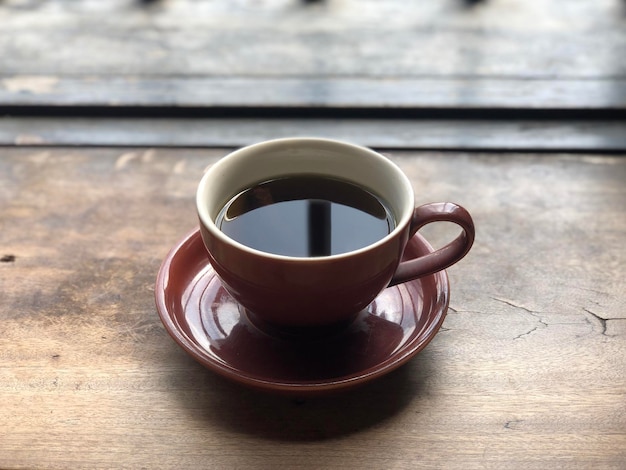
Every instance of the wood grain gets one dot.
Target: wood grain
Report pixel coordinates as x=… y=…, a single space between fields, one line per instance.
x=336 y=53
x=528 y=371
x=177 y=94
x=444 y=134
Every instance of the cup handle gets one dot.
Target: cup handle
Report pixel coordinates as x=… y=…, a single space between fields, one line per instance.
x=445 y=256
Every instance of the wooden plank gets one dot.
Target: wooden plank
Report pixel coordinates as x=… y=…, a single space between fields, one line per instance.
x=325 y=93
x=291 y=53
x=528 y=371
x=547 y=135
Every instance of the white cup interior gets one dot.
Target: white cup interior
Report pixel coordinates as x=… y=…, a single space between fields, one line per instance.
x=261 y=162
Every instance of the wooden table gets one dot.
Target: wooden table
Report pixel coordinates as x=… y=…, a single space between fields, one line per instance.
x=109 y=113
x=527 y=372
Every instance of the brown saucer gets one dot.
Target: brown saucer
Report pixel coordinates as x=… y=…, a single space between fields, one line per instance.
x=207 y=323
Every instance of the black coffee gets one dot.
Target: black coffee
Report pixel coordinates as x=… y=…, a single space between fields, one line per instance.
x=305 y=216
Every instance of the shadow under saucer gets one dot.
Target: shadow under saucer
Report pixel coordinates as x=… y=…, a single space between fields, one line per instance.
x=210 y=400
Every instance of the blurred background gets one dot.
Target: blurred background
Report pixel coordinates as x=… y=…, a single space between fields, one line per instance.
x=499 y=74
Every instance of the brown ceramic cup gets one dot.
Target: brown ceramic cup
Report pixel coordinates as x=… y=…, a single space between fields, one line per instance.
x=320 y=291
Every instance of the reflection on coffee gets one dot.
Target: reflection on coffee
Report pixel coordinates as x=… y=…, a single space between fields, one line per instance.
x=305 y=216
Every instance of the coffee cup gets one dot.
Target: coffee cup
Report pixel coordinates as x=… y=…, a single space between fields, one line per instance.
x=313 y=289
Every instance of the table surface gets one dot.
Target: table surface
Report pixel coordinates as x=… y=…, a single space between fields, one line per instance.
x=528 y=370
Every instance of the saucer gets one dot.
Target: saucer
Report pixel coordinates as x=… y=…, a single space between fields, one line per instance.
x=202 y=317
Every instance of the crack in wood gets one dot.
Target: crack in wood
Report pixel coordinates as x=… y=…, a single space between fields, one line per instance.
x=456 y=310
x=536 y=315
x=529 y=332
x=602 y=321
x=511 y=423
x=512 y=304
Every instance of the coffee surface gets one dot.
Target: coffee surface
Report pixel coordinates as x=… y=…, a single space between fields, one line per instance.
x=305 y=216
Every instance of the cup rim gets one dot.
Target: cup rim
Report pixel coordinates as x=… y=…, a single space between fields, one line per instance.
x=208 y=222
